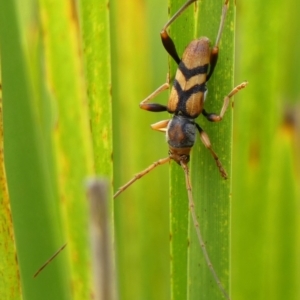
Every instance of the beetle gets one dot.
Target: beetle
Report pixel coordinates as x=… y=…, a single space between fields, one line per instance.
x=186 y=103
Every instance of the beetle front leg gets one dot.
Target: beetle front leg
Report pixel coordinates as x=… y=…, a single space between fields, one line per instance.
x=161 y=125
x=165 y=38
x=206 y=141
x=216 y=118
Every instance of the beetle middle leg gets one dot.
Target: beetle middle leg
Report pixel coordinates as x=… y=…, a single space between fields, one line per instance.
x=216 y=118
x=156 y=107
x=206 y=141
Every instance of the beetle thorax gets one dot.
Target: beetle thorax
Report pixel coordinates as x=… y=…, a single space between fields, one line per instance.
x=181 y=134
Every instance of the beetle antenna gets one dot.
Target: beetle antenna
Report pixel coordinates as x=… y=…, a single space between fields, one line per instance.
x=223 y=17
x=141 y=174
x=198 y=231
x=49 y=260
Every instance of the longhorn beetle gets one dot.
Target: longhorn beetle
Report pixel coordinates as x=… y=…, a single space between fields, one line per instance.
x=186 y=103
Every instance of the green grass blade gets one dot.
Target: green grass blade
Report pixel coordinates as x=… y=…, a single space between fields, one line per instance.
x=182 y=32
x=48 y=144
x=96 y=45
x=212 y=193
x=266 y=158
x=96 y=48
x=9 y=283
x=32 y=195
x=192 y=278
x=141 y=213
x=72 y=136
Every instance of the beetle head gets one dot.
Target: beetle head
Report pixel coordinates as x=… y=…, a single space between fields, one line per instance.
x=180 y=155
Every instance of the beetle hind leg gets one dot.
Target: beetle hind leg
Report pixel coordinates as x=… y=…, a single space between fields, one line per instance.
x=215 y=117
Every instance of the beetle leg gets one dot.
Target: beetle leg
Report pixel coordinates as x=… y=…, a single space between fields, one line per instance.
x=155 y=107
x=161 y=125
x=215 y=50
x=165 y=38
x=223 y=17
x=216 y=118
x=206 y=141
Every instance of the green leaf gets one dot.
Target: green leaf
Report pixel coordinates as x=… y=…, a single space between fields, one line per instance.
x=130 y=126
x=141 y=212
x=182 y=32
x=64 y=65
x=191 y=276
x=266 y=154
x=48 y=147
x=96 y=46
x=9 y=284
x=32 y=194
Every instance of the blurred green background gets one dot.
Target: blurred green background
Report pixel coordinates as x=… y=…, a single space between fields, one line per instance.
x=73 y=73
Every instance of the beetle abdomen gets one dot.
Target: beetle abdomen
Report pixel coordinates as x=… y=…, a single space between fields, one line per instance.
x=187 y=95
